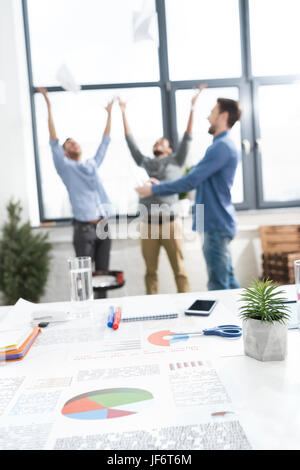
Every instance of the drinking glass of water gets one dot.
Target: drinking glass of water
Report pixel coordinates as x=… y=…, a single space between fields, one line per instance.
x=81 y=288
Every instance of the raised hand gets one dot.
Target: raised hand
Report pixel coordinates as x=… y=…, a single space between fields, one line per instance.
x=196 y=96
x=44 y=92
x=109 y=106
x=122 y=105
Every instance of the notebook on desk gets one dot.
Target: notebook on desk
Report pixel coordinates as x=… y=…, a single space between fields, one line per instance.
x=149 y=316
x=151 y=311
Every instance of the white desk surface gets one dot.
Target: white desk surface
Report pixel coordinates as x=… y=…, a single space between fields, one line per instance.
x=265 y=394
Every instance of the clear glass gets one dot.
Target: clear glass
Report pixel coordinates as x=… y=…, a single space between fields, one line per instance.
x=279 y=119
x=81 y=288
x=275 y=37
x=201 y=138
x=83 y=117
x=96 y=39
x=203 y=39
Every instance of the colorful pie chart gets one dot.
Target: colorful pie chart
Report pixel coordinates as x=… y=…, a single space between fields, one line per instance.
x=108 y=403
x=165 y=338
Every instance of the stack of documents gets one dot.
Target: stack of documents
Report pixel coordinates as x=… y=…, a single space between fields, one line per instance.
x=14 y=344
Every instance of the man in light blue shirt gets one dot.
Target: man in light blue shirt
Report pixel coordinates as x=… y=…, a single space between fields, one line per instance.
x=88 y=198
x=212 y=178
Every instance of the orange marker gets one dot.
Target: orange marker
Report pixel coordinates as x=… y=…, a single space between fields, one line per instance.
x=117 y=318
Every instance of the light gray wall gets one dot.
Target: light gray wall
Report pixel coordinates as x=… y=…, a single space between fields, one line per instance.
x=17 y=171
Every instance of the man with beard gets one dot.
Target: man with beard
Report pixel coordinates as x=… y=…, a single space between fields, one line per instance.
x=212 y=177
x=89 y=201
x=161 y=227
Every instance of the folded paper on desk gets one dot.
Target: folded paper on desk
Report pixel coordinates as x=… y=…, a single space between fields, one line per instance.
x=23 y=313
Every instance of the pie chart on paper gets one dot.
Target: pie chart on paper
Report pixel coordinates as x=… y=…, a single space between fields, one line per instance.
x=165 y=338
x=107 y=403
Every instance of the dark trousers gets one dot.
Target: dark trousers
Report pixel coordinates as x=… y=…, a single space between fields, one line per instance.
x=86 y=243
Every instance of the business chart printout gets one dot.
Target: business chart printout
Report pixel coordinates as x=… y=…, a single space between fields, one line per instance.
x=155 y=404
x=85 y=386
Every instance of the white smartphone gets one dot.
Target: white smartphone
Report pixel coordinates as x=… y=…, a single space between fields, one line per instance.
x=201 y=307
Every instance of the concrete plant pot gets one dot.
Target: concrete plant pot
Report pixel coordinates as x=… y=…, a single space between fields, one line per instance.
x=265 y=341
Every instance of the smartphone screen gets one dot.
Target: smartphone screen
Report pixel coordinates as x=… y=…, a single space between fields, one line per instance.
x=201 y=307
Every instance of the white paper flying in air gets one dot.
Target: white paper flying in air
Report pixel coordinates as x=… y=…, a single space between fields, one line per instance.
x=145 y=25
x=66 y=80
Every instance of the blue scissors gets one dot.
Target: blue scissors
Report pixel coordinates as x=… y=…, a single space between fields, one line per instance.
x=226 y=331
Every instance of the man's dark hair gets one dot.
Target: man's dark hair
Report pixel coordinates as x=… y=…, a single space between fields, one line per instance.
x=232 y=107
x=66 y=141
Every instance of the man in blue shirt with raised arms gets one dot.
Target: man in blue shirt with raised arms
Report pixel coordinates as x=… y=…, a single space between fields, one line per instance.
x=89 y=201
x=213 y=178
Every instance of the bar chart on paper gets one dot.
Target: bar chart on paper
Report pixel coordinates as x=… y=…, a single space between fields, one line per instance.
x=107 y=404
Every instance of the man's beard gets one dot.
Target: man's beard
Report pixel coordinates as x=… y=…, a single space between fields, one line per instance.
x=74 y=155
x=212 y=130
x=157 y=153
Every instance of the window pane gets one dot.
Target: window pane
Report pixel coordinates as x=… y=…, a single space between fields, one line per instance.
x=203 y=39
x=201 y=138
x=94 y=38
x=275 y=37
x=279 y=117
x=82 y=117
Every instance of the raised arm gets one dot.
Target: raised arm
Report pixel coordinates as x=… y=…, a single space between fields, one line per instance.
x=190 y=123
x=122 y=105
x=52 y=131
x=183 y=149
x=108 y=122
x=60 y=161
x=134 y=150
x=101 y=151
x=212 y=162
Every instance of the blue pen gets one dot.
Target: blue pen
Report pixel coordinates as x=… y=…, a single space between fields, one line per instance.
x=110 y=319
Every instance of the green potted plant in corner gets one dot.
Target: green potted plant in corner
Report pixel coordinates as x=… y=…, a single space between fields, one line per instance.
x=24 y=259
x=264 y=318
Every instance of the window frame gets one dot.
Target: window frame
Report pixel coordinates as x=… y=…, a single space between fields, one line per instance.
x=248 y=89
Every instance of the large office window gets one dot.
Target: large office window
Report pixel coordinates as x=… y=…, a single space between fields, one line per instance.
x=83 y=117
x=197 y=43
x=95 y=38
x=152 y=53
x=275 y=36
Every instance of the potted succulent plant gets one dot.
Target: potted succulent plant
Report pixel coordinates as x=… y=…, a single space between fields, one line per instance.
x=264 y=318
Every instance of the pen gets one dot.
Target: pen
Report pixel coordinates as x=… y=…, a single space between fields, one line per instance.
x=117 y=318
x=110 y=318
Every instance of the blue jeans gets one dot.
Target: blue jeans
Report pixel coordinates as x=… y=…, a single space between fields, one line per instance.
x=218 y=261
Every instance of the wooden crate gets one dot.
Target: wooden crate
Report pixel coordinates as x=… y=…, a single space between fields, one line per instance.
x=280 y=238
x=279 y=267
x=280 y=247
